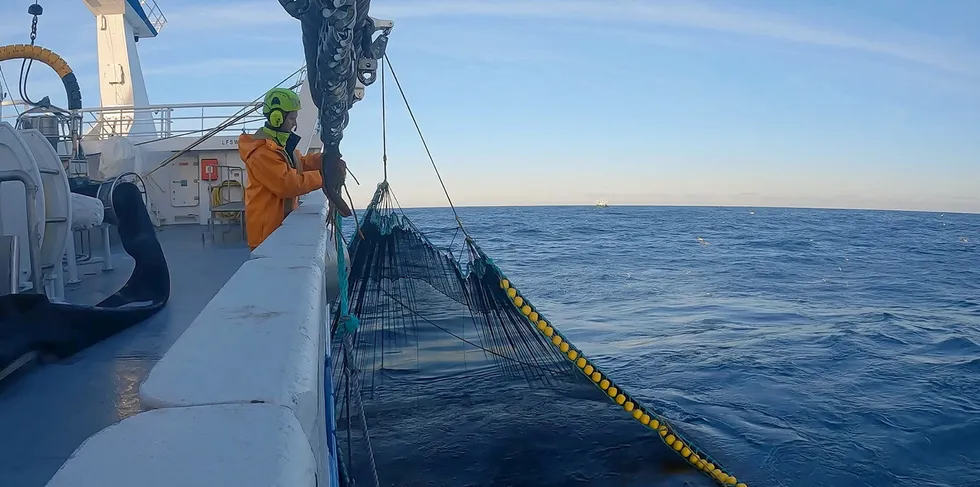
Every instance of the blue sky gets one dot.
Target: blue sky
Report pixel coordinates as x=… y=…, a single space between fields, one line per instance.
x=831 y=103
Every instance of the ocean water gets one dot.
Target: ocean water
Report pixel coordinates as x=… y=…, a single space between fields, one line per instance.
x=797 y=347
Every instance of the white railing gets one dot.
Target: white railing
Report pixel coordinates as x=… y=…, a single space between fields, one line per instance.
x=153 y=14
x=164 y=120
x=155 y=121
x=167 y=120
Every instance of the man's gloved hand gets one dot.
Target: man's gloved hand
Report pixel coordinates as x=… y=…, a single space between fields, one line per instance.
x=334 y=173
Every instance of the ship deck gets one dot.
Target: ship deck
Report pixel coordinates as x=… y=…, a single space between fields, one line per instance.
x=48 y=411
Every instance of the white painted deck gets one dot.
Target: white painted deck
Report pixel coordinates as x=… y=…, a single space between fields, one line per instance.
x=239 y=397
x=49 y=411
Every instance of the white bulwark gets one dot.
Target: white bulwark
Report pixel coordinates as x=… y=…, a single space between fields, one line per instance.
x=239 y=398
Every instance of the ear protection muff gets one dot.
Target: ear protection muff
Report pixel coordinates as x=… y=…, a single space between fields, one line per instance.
x=276 y=117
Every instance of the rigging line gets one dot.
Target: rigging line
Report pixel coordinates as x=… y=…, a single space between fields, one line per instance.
x=399 y=205
x=22 y=82
x=349 y=173
x=426 y=146
x=384 y=124
x=211 y=133
x=357 y=224
x=186 y=132
x=6 y=89
x=344 y=239
x=232 y=120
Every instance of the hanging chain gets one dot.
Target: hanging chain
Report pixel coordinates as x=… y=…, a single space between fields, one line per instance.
x=34 y=10
x=25 y=66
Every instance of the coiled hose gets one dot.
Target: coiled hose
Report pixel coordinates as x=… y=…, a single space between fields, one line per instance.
x=218 y=199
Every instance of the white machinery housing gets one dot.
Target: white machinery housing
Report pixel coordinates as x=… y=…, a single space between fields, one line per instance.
x=38 y=209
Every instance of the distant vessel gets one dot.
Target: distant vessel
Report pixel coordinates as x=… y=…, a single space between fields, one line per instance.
x=601 y=204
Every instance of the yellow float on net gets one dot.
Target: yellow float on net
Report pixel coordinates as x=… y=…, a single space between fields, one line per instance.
x=615 y=394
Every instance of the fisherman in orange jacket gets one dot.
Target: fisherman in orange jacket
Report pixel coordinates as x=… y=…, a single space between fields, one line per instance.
x=277 y=173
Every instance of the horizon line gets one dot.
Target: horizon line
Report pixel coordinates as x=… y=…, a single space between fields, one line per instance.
x=666 y=205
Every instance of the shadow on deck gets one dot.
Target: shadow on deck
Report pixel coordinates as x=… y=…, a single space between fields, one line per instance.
x=50 y=410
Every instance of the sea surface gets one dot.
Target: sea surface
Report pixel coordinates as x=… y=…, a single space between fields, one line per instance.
x=798 y=347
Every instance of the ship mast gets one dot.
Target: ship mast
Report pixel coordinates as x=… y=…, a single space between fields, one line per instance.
x=119 y=25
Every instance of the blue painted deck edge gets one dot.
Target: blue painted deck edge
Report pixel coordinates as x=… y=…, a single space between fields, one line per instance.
x=141 y=13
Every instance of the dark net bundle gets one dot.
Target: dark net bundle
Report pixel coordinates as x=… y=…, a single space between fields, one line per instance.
x=453 y=377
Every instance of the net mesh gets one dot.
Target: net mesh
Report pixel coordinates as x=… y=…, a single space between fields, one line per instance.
x=448 y=355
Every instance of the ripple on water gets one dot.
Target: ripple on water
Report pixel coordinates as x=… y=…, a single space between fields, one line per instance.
x=800 y=347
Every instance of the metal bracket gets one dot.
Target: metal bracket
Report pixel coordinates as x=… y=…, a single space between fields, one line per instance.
x=373 y=49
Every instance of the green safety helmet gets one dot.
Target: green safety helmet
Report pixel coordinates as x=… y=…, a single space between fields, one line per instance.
x=278 y=102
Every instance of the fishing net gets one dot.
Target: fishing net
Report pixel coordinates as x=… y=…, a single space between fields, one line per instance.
x=444 y=372
x=442 y=362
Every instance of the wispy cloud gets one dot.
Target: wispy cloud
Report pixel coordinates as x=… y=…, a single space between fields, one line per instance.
x=210 y=67
x=687 y=15
x=638 y=36
x=691 y=15
x=216 y=16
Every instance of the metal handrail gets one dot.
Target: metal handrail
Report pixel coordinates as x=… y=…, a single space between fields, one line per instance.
x=103 y=122
x=166 y=123
x=222 y=104
x=154 y=14
x=168 y=120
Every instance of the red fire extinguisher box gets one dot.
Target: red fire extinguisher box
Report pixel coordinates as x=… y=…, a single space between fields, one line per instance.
x=209 y=169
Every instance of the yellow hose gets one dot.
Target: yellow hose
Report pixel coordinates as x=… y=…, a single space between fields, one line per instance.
x=217 y=199
x=56 y=62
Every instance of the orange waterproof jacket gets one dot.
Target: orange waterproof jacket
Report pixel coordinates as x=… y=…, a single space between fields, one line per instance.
x=273 y=186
